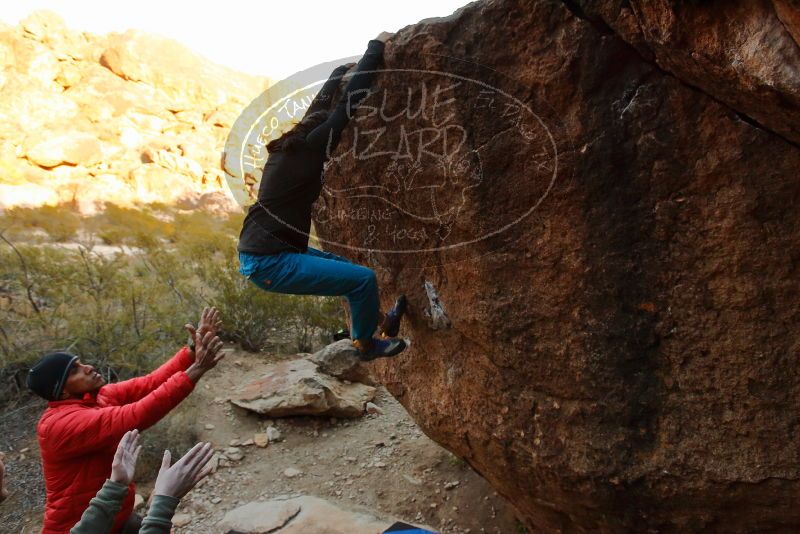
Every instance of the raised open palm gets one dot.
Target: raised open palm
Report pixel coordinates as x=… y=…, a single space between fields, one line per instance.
x=124 y=465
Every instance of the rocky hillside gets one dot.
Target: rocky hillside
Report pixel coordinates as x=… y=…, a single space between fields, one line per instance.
x=117 y=118
x=606 y=204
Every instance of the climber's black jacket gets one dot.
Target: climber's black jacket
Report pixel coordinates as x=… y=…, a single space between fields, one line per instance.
x=292 y=180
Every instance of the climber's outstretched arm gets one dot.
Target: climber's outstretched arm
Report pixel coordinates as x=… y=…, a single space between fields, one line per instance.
x=326 y=135
x=324 y=98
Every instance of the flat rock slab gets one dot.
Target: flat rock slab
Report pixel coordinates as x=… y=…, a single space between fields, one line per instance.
x=260 y=517
x=300 y=515
x=297 y=387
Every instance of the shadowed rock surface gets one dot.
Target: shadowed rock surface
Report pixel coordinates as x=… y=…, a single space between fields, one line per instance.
x=618 y=258
x=745 y=54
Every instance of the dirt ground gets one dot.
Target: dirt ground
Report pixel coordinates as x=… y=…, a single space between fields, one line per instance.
x=381 y=463
x=22 y=511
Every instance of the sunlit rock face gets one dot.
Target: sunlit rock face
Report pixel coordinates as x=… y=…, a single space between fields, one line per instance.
x=616 y=246
x=121 y=118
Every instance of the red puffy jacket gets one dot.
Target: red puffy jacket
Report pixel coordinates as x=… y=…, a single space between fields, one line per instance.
x=78 y=438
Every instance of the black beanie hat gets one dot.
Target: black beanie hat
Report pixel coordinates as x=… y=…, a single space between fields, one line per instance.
x=47 y=377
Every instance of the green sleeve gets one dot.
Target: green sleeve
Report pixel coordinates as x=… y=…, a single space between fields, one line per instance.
x=159 y=516
x=99 y=516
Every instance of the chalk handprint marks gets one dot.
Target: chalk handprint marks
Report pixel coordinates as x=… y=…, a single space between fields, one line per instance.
x=420 y=168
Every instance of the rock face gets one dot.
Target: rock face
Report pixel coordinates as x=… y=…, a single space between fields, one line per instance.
x=615 y=237
x=118 y=118
x=296 y=387
x=66 y=149
x=744 y=55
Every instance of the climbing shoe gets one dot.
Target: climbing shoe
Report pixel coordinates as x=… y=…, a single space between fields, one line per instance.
x=369 y=349
x=391 y=322
x=342 y=333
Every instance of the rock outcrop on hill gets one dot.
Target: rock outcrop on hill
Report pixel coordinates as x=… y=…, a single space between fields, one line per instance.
x=120 y=118
x=609 y=212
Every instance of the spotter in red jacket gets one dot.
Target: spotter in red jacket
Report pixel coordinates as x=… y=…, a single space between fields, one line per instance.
x=78 y=438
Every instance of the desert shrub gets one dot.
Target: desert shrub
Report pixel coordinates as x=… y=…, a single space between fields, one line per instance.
x=28 y=323
x=232 y=224
x=124 y=311
x=118 y=225
x=259 y=320
x=60 y=222
x=252 y=317
x=311 y=320
x=105 y=308
x=198 y=227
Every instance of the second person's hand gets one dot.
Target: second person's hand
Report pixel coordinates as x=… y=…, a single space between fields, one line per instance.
x=123 y=466
x=177 y=480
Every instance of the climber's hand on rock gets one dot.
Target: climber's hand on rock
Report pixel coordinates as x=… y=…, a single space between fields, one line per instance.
x=177 y=480
x=384 y=36
x=123 y=466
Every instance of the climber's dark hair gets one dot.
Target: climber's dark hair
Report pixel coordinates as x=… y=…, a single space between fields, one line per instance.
x=297 y=135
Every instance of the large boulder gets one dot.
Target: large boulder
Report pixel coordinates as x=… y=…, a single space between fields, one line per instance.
x=614 y=236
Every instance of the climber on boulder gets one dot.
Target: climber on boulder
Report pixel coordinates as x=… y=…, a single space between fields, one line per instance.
x=273 y=244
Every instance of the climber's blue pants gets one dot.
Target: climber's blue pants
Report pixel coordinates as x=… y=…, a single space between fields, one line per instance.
x=318 y=273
